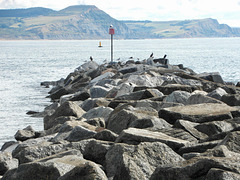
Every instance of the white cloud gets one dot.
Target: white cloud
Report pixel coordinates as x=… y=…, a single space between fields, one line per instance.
x=226 y=11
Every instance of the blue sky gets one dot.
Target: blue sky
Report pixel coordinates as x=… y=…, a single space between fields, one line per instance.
x=225 y=11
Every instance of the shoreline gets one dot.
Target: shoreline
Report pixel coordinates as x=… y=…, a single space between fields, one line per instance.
x=106 y=120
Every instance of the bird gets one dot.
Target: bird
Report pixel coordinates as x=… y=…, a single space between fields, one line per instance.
x=91 y=58
x=151 y=55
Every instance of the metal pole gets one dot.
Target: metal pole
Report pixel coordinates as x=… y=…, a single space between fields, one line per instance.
x=111 y=47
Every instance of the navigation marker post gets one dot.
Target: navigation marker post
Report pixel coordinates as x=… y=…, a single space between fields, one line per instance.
x=111 y=32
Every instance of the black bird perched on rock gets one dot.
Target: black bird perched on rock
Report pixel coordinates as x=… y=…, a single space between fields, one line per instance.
x=151 y=55
x=91 y=58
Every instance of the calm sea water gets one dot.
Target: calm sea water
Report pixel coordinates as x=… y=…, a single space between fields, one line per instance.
x=24 y=64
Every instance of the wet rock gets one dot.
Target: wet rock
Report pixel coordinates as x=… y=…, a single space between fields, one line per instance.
x=138 y=161
x=66 y=109
x=231 y=99
x=26 y=133
x=7 y=162
x=197 y=113
x=136 y=136
x=217 y=93
x=178 y=97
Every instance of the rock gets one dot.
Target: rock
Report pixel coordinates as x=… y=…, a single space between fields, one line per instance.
x=136 y=136
x=98 y=112
x=103 y=76
x=7 y=162
x=95 y=150
x=92 y=103
x=88 y=65
x=153 y=123
x=85 y=170
x=190 y=127
x=200 y=99
x=7 y=145
x=145 y=80
x=138 y=95
x=213 y=76
x=138 y=161
x=80 y=96
x=217 y=93
x=67 y=127
x=26 y=133
x=57 y=94
x=99 y=122
x=106 y=135
x=66 y=109
x=124 y=88
x=128 y=70
x=79 y=133
x=196 y=168
x=168 y=89
x=190 y=82
x=197 y=113
x=120 y=119
x=232 y=141
x=179 y=134
x=231 y=99
x=199 y=147
x=220 y=174
x=238 y=84
x=178 y=97
x=99 y=91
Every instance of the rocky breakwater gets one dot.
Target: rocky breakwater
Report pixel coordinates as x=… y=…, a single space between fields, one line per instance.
x=137 y=120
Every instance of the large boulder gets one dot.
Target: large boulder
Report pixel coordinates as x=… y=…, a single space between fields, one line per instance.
x=212 y=76
x=66 y=109
x=99 y=91
x=79 y=133
x=136 y=136
x=95 y=102
x=232 y=141
x=200 y=99
x=145 y=80
x=138 y=161
x=198 y=113
x=120 y=119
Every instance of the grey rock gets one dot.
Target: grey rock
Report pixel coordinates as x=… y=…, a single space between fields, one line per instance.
x=99 y=122
x=121 y=118
x=212 y=76
x=123 y=89
x=197 y=113
x=26 y=133
x=232 y=141
x=136 y=136
x=178 y=97
x=231 y=99
x=106 y=135
x=220 y=174
x=66 y=109
x=103 y=76
x=98 y=112
x=195 y=168
x=99 y=91
x=200 y=99
x=138 y=161
x=126 y=70
x=145 y=80
x=7 y=162
x=58 y=93
x=85 y=170
x=217 y=93
x=79 y=133
x=190 y=127
x=92 y=103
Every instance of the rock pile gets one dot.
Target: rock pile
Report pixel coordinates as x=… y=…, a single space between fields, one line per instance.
x=138 y=120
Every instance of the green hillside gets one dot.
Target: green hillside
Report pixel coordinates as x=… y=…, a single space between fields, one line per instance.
x=89 y=22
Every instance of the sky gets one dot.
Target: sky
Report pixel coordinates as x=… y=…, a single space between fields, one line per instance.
x=225 y=11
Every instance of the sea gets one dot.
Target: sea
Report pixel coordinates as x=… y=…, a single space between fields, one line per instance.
x=24 y=64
